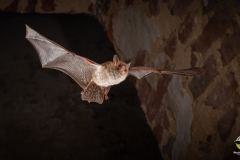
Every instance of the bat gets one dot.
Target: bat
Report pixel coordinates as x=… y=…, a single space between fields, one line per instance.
x=95 y=79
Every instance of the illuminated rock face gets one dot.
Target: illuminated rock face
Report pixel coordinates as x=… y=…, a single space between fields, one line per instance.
x=192 y=118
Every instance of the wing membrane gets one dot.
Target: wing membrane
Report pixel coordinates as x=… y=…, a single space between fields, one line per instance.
x=141 y=72
x=54 y=56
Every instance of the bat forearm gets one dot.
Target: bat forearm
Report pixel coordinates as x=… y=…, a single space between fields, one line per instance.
x=185 y=72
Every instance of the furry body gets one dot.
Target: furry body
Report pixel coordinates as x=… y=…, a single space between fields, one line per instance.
x=107 y=74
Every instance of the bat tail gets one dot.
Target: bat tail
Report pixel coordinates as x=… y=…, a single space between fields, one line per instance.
x=94 y=93
x=196 y=71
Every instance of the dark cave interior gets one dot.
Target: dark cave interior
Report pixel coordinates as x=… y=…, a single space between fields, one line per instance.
x=42 y=115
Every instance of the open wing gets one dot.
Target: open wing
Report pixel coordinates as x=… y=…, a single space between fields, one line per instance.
x=54 y=56
x=140 y=72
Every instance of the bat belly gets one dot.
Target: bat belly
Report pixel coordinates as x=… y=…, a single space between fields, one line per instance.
x=106 y=79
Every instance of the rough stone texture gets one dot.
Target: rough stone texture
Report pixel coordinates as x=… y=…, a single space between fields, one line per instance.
x=199 y=113
x=132 y=24
x=208 y=5
x=206 y=146
x=153 y=7
x=230 y=48
x=162 y=122
x=186 y=28
x=170 y=47
x=222 y=92
x=144 y=90
x=170 y=125
x=167 y=149
x=155 y=104
x=31 y=6
x=129 y=2
x=216 y=27
x=226 y=123
x=47 y=6
x=140 y=58
x=181 y=104
x=12 y=7
x=199 y=84
x=205 y=29
x=180 y=7
x=105 y=6
x=236 y=5
x=159 y=61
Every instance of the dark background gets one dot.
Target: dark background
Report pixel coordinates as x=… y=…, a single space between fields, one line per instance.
x=42 y=115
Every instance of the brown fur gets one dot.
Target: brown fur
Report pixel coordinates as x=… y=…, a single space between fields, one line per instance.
x=108 y=74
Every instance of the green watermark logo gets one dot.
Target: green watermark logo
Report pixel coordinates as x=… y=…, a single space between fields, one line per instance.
x=237 y=142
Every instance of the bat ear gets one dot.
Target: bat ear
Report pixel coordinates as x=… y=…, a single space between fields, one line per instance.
x=115 y=60
x=128 y=65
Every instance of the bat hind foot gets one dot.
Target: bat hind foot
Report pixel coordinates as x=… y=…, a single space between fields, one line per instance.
x=105 y=93
x=106 y=97
x=93 y=93
x=83 y=91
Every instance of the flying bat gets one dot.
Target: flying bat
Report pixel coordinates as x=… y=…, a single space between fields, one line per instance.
x=95 y=79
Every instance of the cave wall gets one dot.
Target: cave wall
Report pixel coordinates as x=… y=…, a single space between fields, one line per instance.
x=191 y=117
x=47 y=6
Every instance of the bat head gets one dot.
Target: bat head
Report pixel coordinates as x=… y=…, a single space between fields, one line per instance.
x=120 y=65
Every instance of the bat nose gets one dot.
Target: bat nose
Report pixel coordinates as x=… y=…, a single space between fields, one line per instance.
x=122 y=69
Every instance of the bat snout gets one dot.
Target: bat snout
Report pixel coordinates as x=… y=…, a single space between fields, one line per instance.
x=122 y=68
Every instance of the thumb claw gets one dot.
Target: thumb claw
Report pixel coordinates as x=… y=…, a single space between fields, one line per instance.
x=160 y=73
